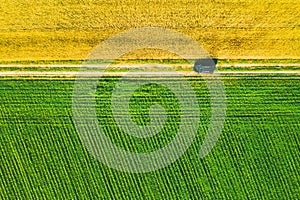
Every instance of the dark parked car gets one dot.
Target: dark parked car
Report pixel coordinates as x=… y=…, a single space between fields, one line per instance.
x=205 y=65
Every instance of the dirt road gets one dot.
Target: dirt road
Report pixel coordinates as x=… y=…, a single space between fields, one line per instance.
x=44 y=70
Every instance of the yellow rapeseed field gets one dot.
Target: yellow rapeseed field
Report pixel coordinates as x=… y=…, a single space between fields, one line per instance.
x=69 y=29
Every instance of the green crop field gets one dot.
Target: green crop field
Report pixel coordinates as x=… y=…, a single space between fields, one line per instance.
x=256 y=157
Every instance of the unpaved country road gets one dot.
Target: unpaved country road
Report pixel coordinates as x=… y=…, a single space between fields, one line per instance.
x=158 y=71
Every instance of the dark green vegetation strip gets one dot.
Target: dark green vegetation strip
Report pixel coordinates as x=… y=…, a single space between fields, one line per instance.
x=257 y=155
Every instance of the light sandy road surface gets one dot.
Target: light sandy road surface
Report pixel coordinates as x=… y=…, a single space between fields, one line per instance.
x=158 y=71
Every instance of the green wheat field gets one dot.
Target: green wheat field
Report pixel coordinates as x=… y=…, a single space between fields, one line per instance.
x=257 y=155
